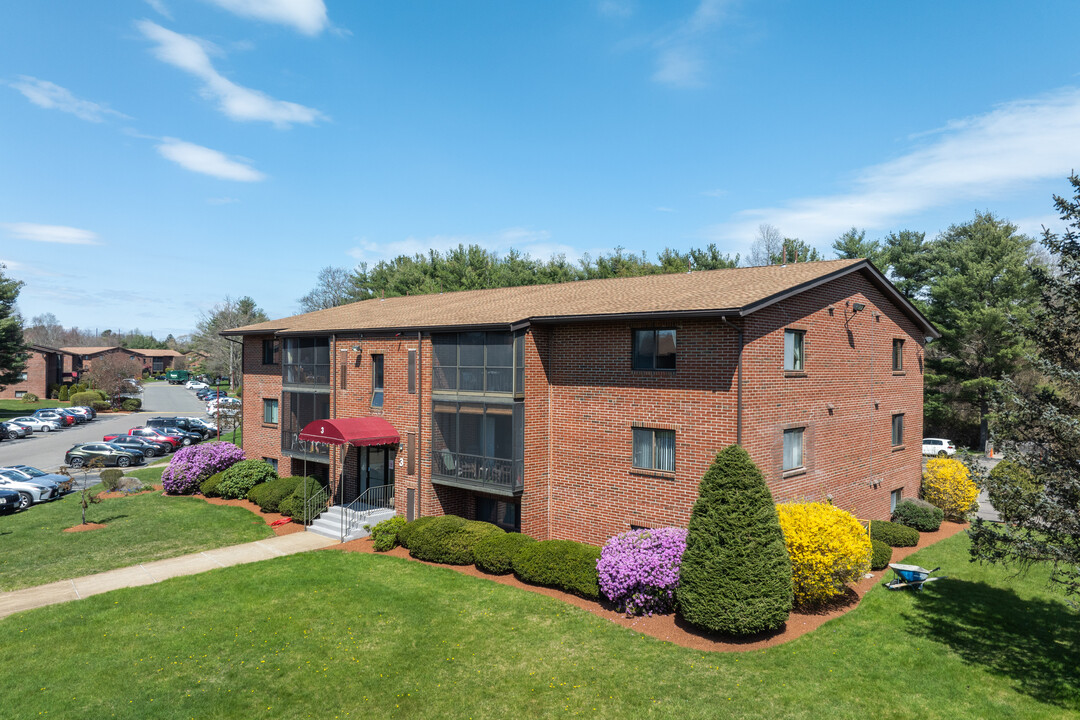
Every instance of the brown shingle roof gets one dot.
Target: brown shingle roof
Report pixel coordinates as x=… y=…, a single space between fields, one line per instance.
x=157 y=353
x=735 y=291
x=133 y=351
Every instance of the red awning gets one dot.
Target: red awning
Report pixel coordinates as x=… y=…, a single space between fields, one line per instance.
x=351 y=431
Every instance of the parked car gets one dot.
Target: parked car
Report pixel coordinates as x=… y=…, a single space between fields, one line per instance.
x=64 y=419
x=938 y=446
x=85 y=453
x=87 y=412
x=19 y=476
x=10 y=500
x=187 y=437
x=196 y=385
x=13 y=431
x=223 y=411
x=211 y=394
x=226 y=401
x=29 y=494
x=79 y=417
x=36 y=423
x=63 y=480
x=184 y=423
x=151 y=434
x=147 y=447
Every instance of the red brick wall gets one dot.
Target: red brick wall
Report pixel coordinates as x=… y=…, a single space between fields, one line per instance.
x=42 y=369
x=582 y=399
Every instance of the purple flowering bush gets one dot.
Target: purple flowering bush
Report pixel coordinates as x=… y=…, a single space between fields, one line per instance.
x=639 y=570
x=193 y=464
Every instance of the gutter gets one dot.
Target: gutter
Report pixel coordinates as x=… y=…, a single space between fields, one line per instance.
x=738 y=392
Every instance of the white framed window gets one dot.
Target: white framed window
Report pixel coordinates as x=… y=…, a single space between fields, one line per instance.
x=376 y=380
x=793 y=448
x=793 y=350
x=654 y=449
x=270 y=411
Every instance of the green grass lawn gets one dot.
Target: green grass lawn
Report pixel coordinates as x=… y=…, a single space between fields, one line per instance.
x=141 y=528
x=334 y=635
x=18 y=408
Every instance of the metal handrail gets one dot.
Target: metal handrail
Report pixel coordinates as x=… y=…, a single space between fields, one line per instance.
x=356 y=514
x=315 y=504
x=488 y=470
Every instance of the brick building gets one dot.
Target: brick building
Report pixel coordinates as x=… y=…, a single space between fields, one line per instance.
x=80 y=359
x=44 y=368
x=583 y=409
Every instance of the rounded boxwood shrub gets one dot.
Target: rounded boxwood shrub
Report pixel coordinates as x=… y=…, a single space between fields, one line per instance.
x=87 y=398
x=882 y=555
x=918 y=514
x=562 y=564
x=244 y=475
x=208 y=487
x=495 y=554
x=276 y=491
x=30 y=398
x=255 y=493
x=293 y=505
x=405 y=534
x=893 y=534
x=450 y=539
x=828 y=548
x=384 y=534
x=131 y=404
x=1010 y=488
x=189 y=466
x=639 y=570
x=947 y=484
x=735 y=575
x=110 y=477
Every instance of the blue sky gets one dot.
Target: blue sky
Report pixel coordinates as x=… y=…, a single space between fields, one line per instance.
x=158 y=155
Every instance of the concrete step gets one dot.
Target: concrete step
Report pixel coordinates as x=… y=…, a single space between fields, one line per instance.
x=328 y=524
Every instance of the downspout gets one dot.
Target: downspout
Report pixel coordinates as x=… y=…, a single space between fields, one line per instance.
x=241 y=344
x=419 y=420
x=738 y=392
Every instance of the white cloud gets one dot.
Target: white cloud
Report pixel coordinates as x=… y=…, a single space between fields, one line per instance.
x=974 y=159
x=680 y=52
x=237 y=102
x=51 y=233
x=160 y=7
x=53 y=97
x=208 y=162
x=306 y=16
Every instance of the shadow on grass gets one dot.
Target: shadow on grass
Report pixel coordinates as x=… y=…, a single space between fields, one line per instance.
x=108 y=518
x=1034 y=643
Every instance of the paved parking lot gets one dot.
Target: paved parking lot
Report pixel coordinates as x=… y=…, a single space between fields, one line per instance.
x=46 y=450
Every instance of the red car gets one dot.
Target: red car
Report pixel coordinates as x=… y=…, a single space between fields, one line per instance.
x=152 y=435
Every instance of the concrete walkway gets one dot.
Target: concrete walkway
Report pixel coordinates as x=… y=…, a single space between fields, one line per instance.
x=153 y=572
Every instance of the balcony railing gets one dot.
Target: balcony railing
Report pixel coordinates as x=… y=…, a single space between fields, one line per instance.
x=497 y=475
x=291 y=443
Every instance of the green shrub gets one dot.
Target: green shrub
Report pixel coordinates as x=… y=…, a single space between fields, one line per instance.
x=495 y=554
x=1010 y=488
x=110 y=477
x=882 y=555
x=131 y=404
x=450 y=539
x=103 y=395
x=918 y=514
x=63 y=396
x=562 y=564
x=893 y=534
x=405 y=534
x=30 y=398
x=208 y=487
x=243 y=476
x=255 y=493
x=84 y=398
x=735 y=576
x=384 y=534
x=276 y=491
x=100 y=405
x=293 y=505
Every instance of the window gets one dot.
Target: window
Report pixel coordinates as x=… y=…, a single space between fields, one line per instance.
x=897 y=355
x=410 y=451
x=481 y=442
x=793 y=350
x=793 y=449
x=376 y=380
x=297 y=410
x=505 y=515
x=270 y=411
x=270 y=352
x=19 y=393
x=654 y=449
x=473 y=362
x=23 y=377
x=898 y=429
x=412 y=373
x=306 y=361
x=894 y=498
x=654 y=350
x=272 y=462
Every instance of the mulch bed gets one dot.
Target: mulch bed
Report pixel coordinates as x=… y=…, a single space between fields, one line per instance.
x=84 y=528
x=284 y=529
x=117 y=494
x=673 y=629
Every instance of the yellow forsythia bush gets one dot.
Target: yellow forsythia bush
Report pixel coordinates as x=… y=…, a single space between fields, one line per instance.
x=828 y=549
x=947 y=484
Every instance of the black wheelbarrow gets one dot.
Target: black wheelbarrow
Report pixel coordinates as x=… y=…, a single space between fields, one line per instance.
x=911 y=576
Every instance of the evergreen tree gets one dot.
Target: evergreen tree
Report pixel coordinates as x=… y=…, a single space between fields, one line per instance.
x=794 y=250
x=853 y=244
x=12 y=346
x=907 y=256
x=735 y=576
x=1039 y=429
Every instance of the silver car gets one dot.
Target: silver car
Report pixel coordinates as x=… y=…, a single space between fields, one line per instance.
x=17 y=475
x=36 y=424
x=13 y=431
x=29 y=494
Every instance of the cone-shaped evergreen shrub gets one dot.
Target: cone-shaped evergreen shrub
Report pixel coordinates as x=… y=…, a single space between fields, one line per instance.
x=735 y=576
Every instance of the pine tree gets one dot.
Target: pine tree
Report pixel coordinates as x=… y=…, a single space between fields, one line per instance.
x=12 y=346
x=735 y=576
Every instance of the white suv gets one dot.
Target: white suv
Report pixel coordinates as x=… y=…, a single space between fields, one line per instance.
x=938 y=446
